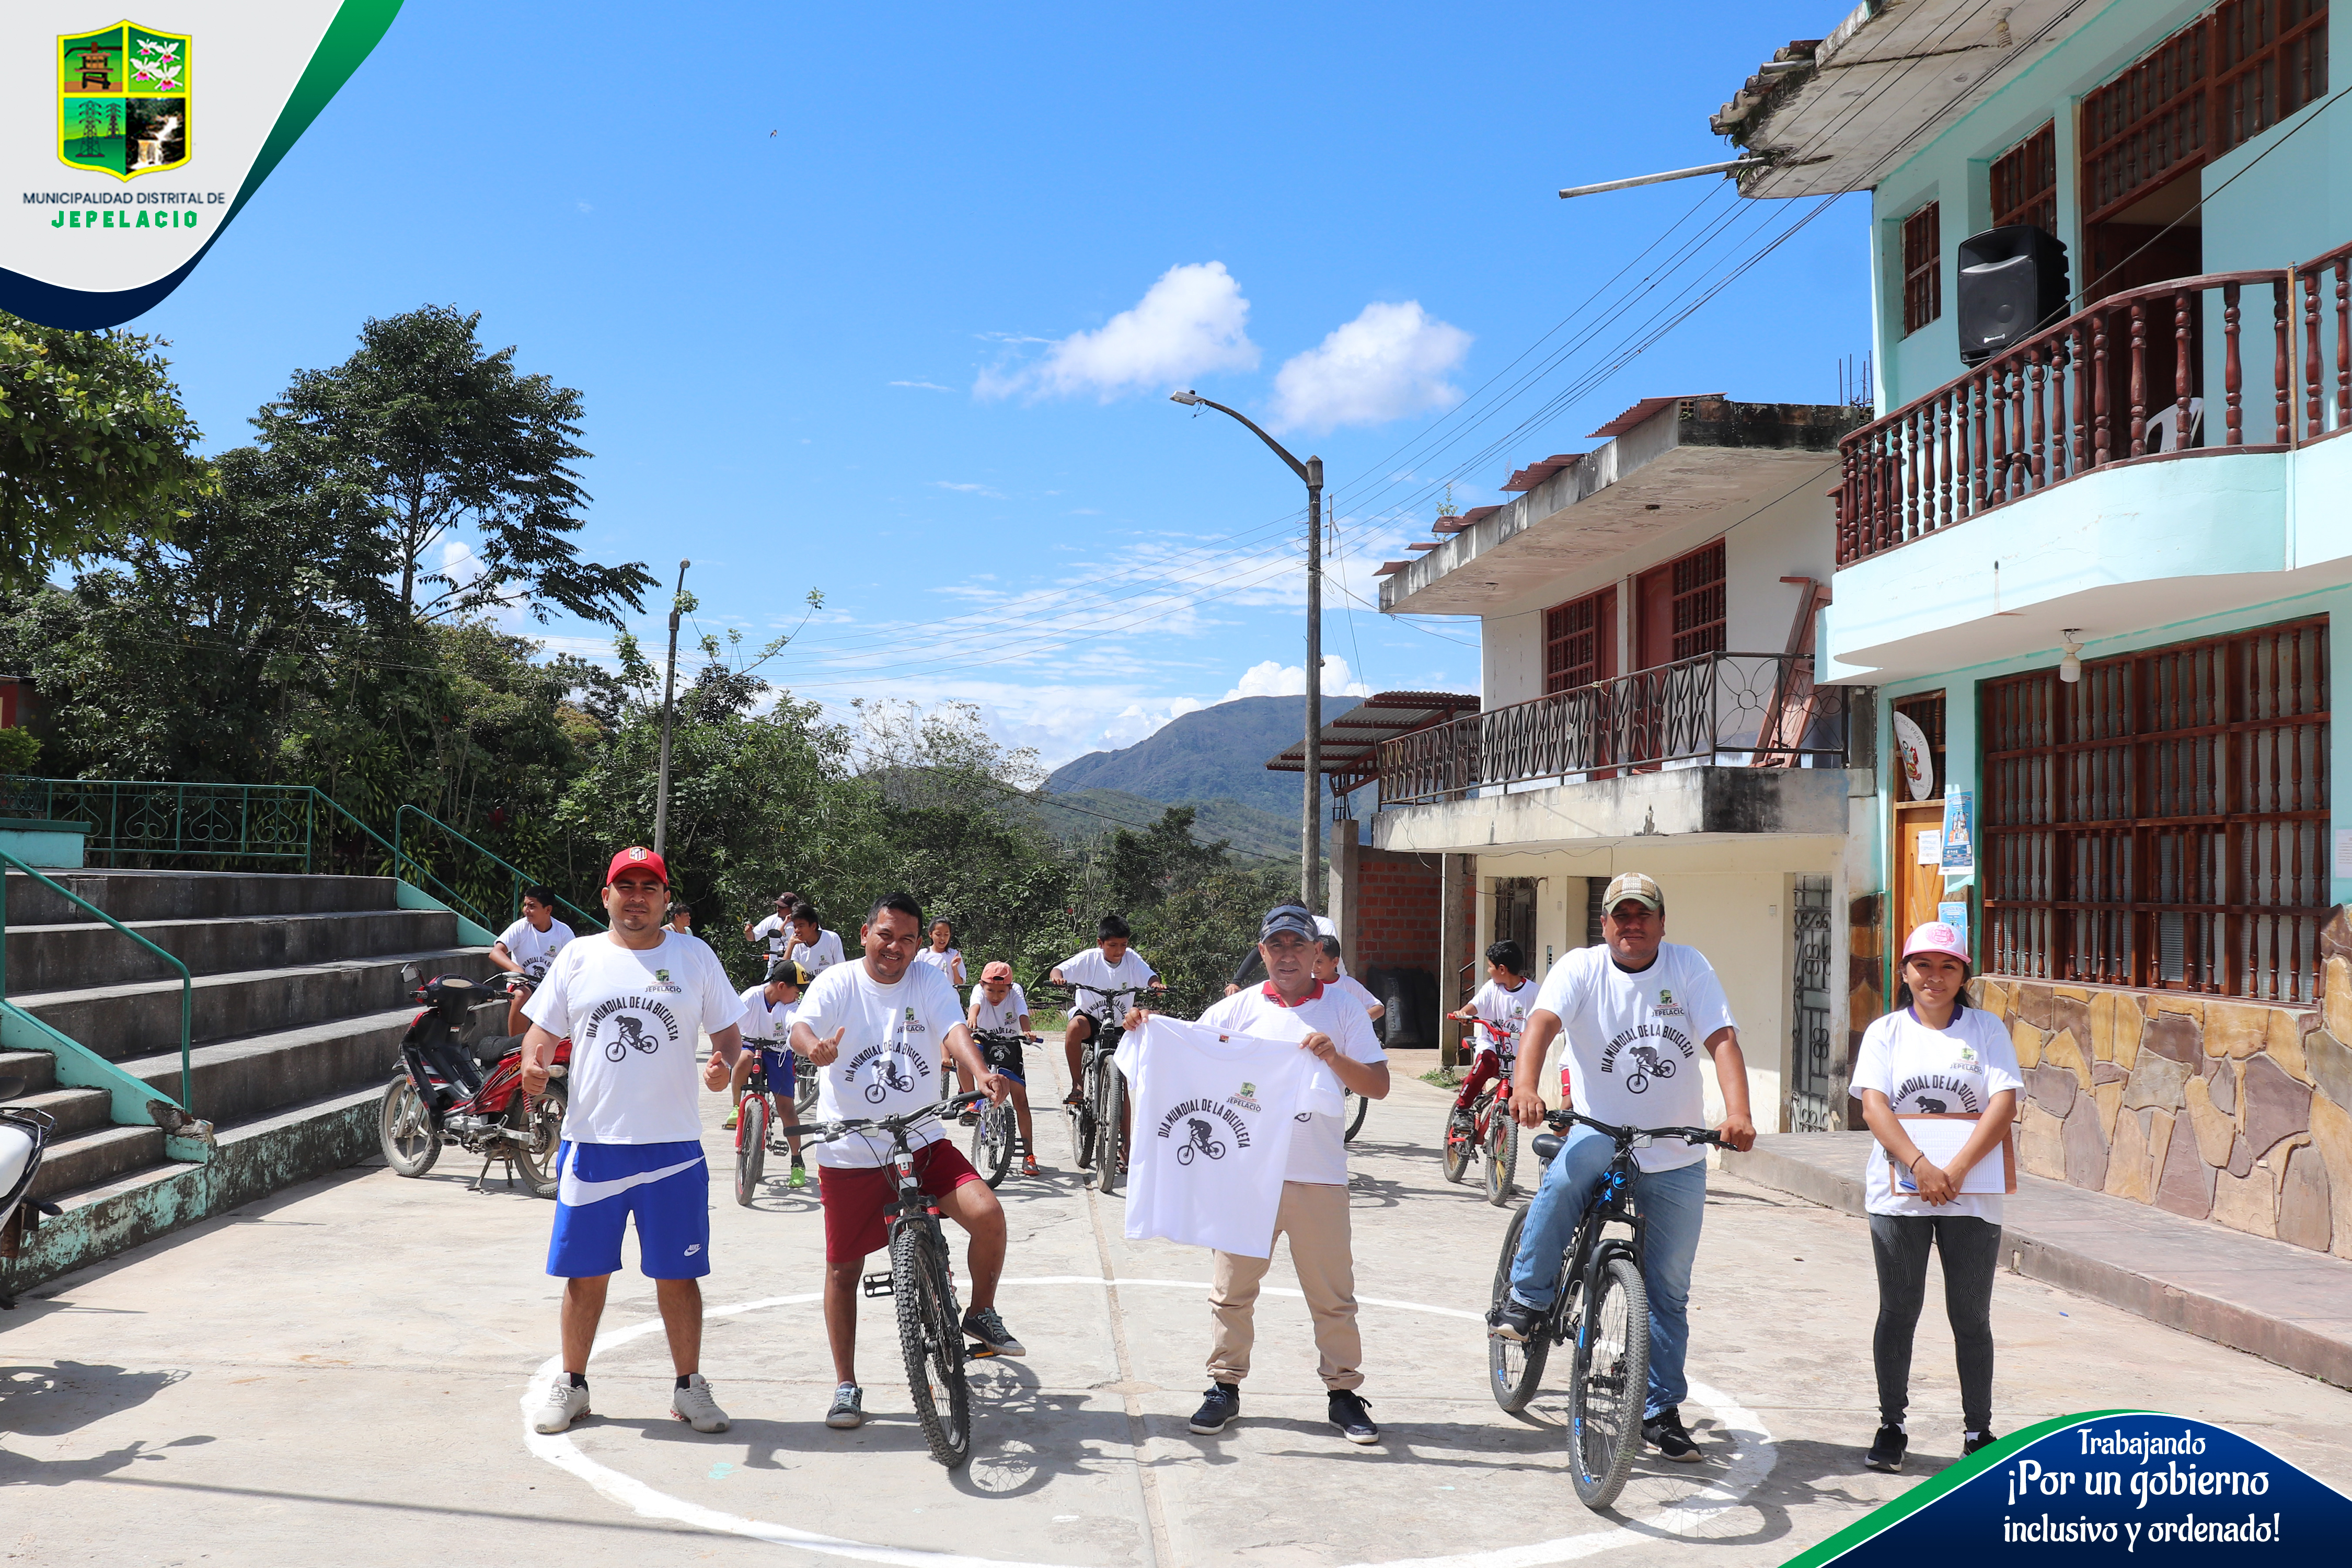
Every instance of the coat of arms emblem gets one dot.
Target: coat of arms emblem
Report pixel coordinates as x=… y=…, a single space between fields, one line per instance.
x=123 y=100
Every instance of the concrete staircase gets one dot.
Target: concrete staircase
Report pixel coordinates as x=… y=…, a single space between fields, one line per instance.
x=298 y=1010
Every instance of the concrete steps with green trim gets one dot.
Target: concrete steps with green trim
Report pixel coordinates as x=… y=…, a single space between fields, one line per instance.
x=53 y=957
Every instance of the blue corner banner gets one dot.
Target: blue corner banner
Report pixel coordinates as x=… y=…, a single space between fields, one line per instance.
x=2124 y=1486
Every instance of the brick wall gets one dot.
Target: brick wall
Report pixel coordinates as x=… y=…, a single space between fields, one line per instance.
x=1396 y=911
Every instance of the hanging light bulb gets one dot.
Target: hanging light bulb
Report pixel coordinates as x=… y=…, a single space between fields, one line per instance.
x=2070 y=668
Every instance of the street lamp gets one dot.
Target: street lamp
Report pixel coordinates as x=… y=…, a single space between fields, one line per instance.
x=1310 y=846
x=669 y=695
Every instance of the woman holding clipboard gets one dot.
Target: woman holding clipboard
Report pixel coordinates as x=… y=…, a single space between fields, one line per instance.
x=1936 y=1061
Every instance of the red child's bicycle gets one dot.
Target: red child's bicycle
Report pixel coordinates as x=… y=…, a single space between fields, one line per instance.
x=1484 y=1129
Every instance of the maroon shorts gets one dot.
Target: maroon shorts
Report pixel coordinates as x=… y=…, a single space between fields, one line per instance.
x=855 y=1198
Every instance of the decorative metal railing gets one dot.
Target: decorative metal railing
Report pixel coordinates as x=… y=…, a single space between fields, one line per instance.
x=2122 y=381
x=1757 y=709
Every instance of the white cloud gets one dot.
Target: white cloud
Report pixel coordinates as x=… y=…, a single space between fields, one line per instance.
x=1273 y=679
x=1139 y=721
x=1193 y=320
x=968 y=488
x=1389 y=361
x=925 y=385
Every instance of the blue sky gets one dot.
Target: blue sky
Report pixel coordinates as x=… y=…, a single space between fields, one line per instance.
x=888 y=303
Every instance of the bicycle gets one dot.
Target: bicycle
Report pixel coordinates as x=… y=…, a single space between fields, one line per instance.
x=993 y=1135
x=1352 y=1113
x=1599 y=1302
x=1098 y=1121
x=1485 y=1131
x=921 y=1283
x=751 y=1130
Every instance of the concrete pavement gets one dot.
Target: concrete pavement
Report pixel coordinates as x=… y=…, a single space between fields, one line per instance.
x=334 y=1375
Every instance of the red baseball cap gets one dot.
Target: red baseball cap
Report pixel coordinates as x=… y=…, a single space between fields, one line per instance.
x=637 y=857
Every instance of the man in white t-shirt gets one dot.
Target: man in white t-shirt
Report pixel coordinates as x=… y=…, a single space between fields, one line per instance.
x=633 y=1001
x=813 y=948
x=528 y=947
x=1313 y=1210
x=1110 y=965
x=1635 y=1009
x=874 y=1028
x=776 y=930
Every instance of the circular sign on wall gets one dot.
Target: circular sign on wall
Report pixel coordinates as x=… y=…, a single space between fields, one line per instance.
x=1917 y=762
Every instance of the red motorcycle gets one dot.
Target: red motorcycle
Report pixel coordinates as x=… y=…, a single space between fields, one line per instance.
x=443 y=1095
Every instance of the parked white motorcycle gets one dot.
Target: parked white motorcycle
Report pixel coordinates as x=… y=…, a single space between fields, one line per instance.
x=24 y=1134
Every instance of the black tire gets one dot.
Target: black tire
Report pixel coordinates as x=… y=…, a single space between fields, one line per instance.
x=1455 y=1148
x=1110 y=1141
x=991 y=1142
x=803 y=1085
x=1513 y=1368
x=1082 y=1117
x=411 y=1141
x=751 y=1147
x=1361 y=1108
x=930 y=1335
x=1502 y=1155
x=1610 y=1382
x=541 y=1126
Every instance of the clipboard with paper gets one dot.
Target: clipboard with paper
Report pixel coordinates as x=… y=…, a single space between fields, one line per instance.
x=1941 y=1138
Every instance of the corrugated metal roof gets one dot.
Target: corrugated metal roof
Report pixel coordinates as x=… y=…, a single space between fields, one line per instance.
x=1351 y=743
x=1647 y=409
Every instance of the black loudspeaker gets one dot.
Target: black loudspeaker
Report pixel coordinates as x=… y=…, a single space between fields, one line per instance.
x=2012 y=284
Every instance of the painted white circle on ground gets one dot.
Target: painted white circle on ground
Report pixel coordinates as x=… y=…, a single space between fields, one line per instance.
x=1750 y=1462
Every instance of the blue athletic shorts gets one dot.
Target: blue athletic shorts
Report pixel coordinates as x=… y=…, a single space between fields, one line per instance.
x=778 y=1065
x=600 y=1185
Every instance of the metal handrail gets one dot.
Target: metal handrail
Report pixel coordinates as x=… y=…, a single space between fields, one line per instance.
x=187 y=982
x=522 y=876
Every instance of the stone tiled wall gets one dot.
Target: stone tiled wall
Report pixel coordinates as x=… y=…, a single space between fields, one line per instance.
x=2229 y=1111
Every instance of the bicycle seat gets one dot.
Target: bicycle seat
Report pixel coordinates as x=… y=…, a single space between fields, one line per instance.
x=1546 y=1145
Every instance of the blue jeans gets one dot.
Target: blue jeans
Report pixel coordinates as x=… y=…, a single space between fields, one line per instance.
x=1672 y=1203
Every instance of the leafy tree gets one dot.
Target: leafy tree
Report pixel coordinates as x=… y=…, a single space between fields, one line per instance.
x=420 y=438
x=94 y=447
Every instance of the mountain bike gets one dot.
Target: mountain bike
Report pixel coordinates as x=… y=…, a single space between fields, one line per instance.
x=1599 y=1302
x=920 y=1281
x=993 y=1134
x=751 y=1119
x=1098 y=1121
x=1485 y=1131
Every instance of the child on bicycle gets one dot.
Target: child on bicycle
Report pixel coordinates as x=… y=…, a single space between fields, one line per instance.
x=1503 y=1002
x=999 y=1008
x=768 y=1028
x=1110 y=965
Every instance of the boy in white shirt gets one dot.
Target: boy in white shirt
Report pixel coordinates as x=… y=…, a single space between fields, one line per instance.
x=813 y=948
x=999 y=1008
x=1333 y=975
x=528 y=947
x=1503 y=1001
x=768 y=1010
x=1110 y=965
x=776 y=930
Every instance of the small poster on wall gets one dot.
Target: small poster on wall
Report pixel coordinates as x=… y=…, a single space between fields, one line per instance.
x=1959 y=835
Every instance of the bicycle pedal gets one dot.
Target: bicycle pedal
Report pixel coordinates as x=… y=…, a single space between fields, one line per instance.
x=877 y=1285
x=977 y=1352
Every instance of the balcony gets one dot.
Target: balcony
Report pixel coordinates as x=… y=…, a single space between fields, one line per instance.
x=1743 y=710
x=2115 y=385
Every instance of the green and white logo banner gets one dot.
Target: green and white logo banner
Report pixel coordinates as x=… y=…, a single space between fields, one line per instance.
x=127 y=143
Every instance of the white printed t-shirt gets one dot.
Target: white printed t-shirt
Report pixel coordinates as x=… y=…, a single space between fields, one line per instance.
x=1507 y=1010
x=526 y=945
x=770 y=1026
x=1213 y=1133
x=950 y=963
x=1924 y=1072
x=633 y=1018
x=1318 y=1154
x=1091 y=968
x=779 y=933
x=820 y=955
x=889 y=1060
x=1001 y=1017
x=1635 y=1040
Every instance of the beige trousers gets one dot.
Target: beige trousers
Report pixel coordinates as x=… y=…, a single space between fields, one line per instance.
x=1315 y=1216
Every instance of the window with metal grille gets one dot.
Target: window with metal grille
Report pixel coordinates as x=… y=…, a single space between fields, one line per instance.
x=1923 y=268
x=2270 y=58
x=1699 y=601
x=2162 y=822
x=1575 y=637
x=2025 y=182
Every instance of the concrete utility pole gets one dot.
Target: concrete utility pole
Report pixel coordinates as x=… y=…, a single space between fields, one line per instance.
x=1310 y=828
x=670 y=704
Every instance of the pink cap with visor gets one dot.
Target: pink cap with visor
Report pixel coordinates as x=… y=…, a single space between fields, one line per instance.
x=1937 y=936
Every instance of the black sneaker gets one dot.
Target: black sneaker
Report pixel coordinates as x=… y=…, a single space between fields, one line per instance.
x=1349 y=1414
x=1976 y=1440
x=1887 y=1449
x=1515 y=1320
x=1219 y=1406
x=982 y=1324
x=1666 y=1433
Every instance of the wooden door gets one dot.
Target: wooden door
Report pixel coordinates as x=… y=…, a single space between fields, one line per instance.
x=2125 y=255
x=1654 y=617
x=1918 y=889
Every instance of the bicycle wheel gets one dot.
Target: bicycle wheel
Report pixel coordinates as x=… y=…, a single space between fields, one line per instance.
x=1514 y=1367
x=1360 y=1108
x=1502 y=1151
x=930 y=1335
x=1082 y=1115
x=411 y=1141
x=1610 y=1382
x=751 y=1147
x=803 y=1085
x=1454 y=1146
x=991 y=1142
x=1110 y=1138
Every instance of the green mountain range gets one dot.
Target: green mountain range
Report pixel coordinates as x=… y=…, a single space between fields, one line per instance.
x=1212 y=754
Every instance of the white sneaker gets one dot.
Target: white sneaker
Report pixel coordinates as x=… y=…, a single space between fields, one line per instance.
x=564 y=1404
x=694 y=1406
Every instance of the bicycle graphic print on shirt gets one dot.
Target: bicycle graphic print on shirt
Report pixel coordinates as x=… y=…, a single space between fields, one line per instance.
x=630 y=1023
x=1202 y=1140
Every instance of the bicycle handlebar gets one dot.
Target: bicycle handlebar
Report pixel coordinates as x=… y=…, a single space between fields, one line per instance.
x=1561 y=1121
x=827 y=1131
